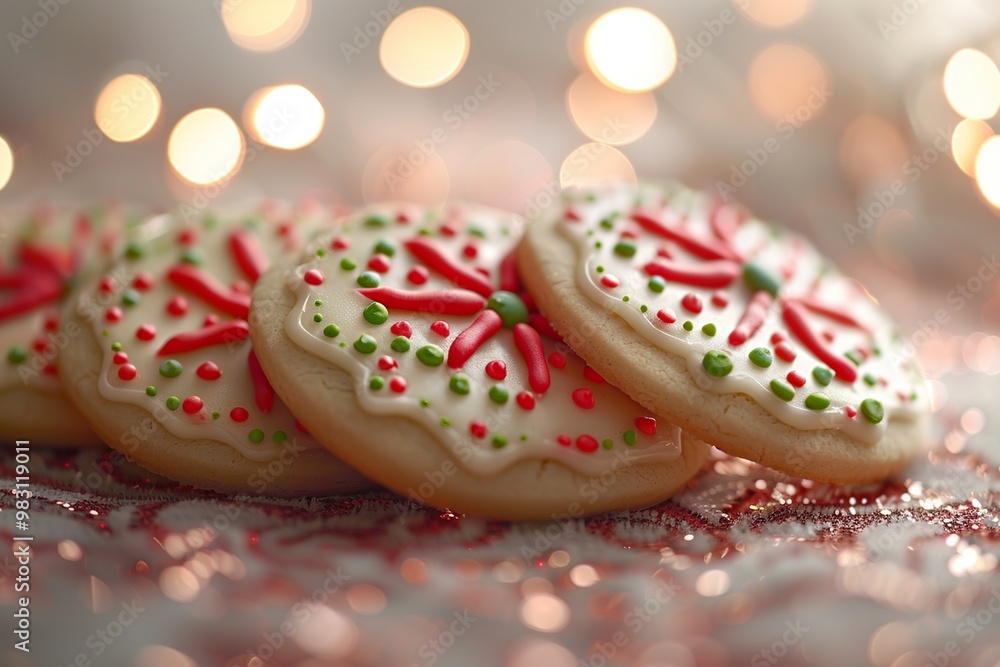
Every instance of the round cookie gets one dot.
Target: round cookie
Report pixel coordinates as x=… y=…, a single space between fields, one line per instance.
x=165 y=372
x=738 y=331
x=43 y=254
x=404 y=342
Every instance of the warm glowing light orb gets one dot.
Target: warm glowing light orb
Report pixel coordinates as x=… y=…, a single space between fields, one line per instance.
x=966 y=140
x=424 y=47
x=774 y=13
x=972 y=84
x=265 y=25
x=788 y=82
x=127 y=107
x=6 y=162
x=205 y=146
x=609 y=116
x=595 y=163
x=630 y=49
x=988 y=170
x=287 y=117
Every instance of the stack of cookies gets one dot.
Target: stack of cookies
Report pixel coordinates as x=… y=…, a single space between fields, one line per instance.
x=476 y=362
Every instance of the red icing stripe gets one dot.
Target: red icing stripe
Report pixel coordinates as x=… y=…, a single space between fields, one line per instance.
x=704 y=248
x=81 y=237
x=794 y=314
x=36 y=290
x=542 y=325
x=725 y=220
x=836 y=315
x=262 y=390
x=477 y=333
x=529 y=343
x=215 y=334
x=436 y=260
x=753 y=318
x=205 y=287
x=509 y=279
x=442 y=302
x=47 y=258
x=718 y=273
x=248 y=254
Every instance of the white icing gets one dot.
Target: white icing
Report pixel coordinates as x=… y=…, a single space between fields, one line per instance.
x=554 y=413
x=688 y=210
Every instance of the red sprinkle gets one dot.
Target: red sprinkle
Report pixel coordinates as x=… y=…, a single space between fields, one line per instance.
x=526 y=400
x=646 y=425
x=313 y=277
x=114 y=314
x=418 y=275
x=340 y=243
x=666 y=315
x=239 y=414
x=564 y=440
x=120 y=358
x=470 y=340
x=205 y=287
x=146 y=332
x=402 y=328
x=387 y=363
x=209 y=371
x=827 y=336
x=584 y=398
x=187 y=236
x=192 y=405
x=609 y=280
x=127 y=372
x=210 y=320
x=248 y=254
x=477 y=428
x=544 y=327
x=497 y=369
x=777 y=337
x=398 y=384
x=143 y=281
x=300 y=427
x=571 y=214
x=850 y=411
x=262 y=389
x=796 y=379
x=435 y=259
x=442 y=302
x=794 y=315
x=557 y=359
x=509 y=280
x=704 y=248
x=753 y=318
x=441 y=328
x=214 y=334
x=784 y=351
x=379 y=262
x=586 y=443
x=529 y=344
x=177 y=306
x=107 y=285
x=470 y=251
x=720 y=299
x=691 y=303
x=592 y=375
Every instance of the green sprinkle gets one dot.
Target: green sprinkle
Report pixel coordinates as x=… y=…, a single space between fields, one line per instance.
x=321 y=252
x=376 y=383
x=191 y=257
x=347 y=264
x=608 y=443
x=708 y=329
x=368 y=279
x=823 y=375
x=817 y=401
x=499 y=441
x=625 y=249
x=607 y=223
x=279 y=437
x=400 y=344
x=761 y=356
x=376 y=313
x=629 y=437
x=424 y=402
x=317 y=318
x=445 y=421
x=376 y=221
x=643 y=308
x=317 y=303
x=331 y=331
x=17 y=355
x=657 y=284
x=509 y=306
x=256 y=436
x=116 y=347
x=134 y=251
x=717 y=363
x=476 y=231
x=782 y=389
x=385 y=247
x=459 y=383
x=365 y=344
x=499 y=394
x=343 y=344
x=171 y=368
x=173 y=402
x=854 y=357
x=870 y=380
x=216 y=415
x=130 y=297
x=872 y=410
x=757 y=277
x=590 y=197
x=625 y=298
x=598 y=244
x=688 y=326
x=430 y=355
x=150 y=390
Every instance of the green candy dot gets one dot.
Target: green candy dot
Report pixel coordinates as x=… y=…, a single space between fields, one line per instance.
x=331 y=331
x=823 y=375
x=424 y=402
x=173 y=402
x=347 y=264
x=317 y=318
x=872 y=410
x=191 y=257
x=317 y=303
x=376 y=313
x=116 y=347
x=629 y=437
x=599 y=269
x=625 y=298
x=134 y=251
x=445 y=421
x=365 y=344
x=216 y=415
x=499 y=394
x=607 y=443
x=598 y=244
x=17 y=355
x=625 y=249
x=130 y=297
x=385 y=247
x=782 y=389
x=376 y=383
x=400 y=344
x=256 y=436
x=459 y=383
x=657 y=284
x=717 y=363
x=279 y=437
x=817 y=401
x=688 y=325
x=870 y=380
x=761 y=356
x=430 y=355
x=757 y=277
x=509 y=306
x=368 y=279
x=607 y=223
x=708 y=329
x=376 y=221
x=643 y=308
x=150 y=390
x=854 y=357
x=171 y=368
x=499 y=441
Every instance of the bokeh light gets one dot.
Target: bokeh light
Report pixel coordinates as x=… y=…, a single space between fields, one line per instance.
x=595 y=163
x=6 y=162
x=774 y=13
x=424 y=47
x=609 y=116
x=988 y=170
x=630 y=49
x=206 y=146
x=324 y=632
x=127 y=107
x=403 y=172
x=872 y=150
x=156 y=655
x=972 y=84
x=545 y=613
x=509 y=175
x=788 y=82
x=966 y=140
x=286 y=117
x=265 y=25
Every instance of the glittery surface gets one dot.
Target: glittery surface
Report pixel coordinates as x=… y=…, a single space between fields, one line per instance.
x=744 y=567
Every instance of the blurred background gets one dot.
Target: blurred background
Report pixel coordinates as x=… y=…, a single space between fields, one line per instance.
x=868 y=124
